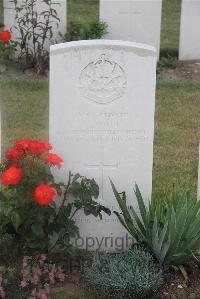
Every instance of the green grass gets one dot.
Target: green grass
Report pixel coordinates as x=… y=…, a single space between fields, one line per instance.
x=170 y=28
x=83 y=10
x=177 y=133
x=25 y=114
x=24 y=107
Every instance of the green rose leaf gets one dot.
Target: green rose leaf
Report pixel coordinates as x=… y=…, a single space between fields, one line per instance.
x=15 y=219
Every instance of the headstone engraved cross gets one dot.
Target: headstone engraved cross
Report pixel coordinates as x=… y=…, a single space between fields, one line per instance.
x=102 y=166
x=102 y=100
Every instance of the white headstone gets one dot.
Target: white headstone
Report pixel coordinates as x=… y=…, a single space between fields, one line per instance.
x=133 y=20
x=189 y=47
x=102 y=98
x=59 y=5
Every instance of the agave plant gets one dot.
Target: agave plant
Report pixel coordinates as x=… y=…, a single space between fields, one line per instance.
x=171 y=230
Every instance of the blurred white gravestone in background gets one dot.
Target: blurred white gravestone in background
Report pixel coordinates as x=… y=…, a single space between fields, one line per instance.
x=189 y=47
x=57 y=26
x=133 y=20
x=102 y=100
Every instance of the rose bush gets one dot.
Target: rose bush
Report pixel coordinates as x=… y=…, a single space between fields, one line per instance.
x=5 y=36
x=35 y=32
x=7 y=46
x=35 y=214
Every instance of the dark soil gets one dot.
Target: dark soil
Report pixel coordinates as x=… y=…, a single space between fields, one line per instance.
x=10 y=70
x=189 y=71
x=175 y=286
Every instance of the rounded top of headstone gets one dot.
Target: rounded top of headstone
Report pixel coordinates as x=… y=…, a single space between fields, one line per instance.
x=137 y=48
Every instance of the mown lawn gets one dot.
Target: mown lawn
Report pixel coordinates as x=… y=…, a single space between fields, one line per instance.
x=24 y=106
x=82 y=10
x=85 y=10
x=171 y=11
x=177 y=125
x=177 y=134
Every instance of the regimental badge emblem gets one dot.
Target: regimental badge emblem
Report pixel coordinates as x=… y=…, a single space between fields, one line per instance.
x=103 y=81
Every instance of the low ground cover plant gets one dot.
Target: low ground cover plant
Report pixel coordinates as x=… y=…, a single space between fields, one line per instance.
x=35 y=212
x=38 y=274
x=30 y=277
x=129 y=273
x=169 y=62
x=7 y=278
x=170 y=228
x=88 y=30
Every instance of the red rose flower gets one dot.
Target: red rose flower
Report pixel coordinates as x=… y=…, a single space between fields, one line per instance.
x=36 y=147
x=12 y=176
x=22 y=144
x=54 y=160
x=47 y=146
x=44 y=195
x=5 y=36
x=12 y=154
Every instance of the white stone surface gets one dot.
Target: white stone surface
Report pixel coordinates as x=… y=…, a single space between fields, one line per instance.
x=133 y=20
x=189 y=47
x=102 y=98
x=60 y=6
